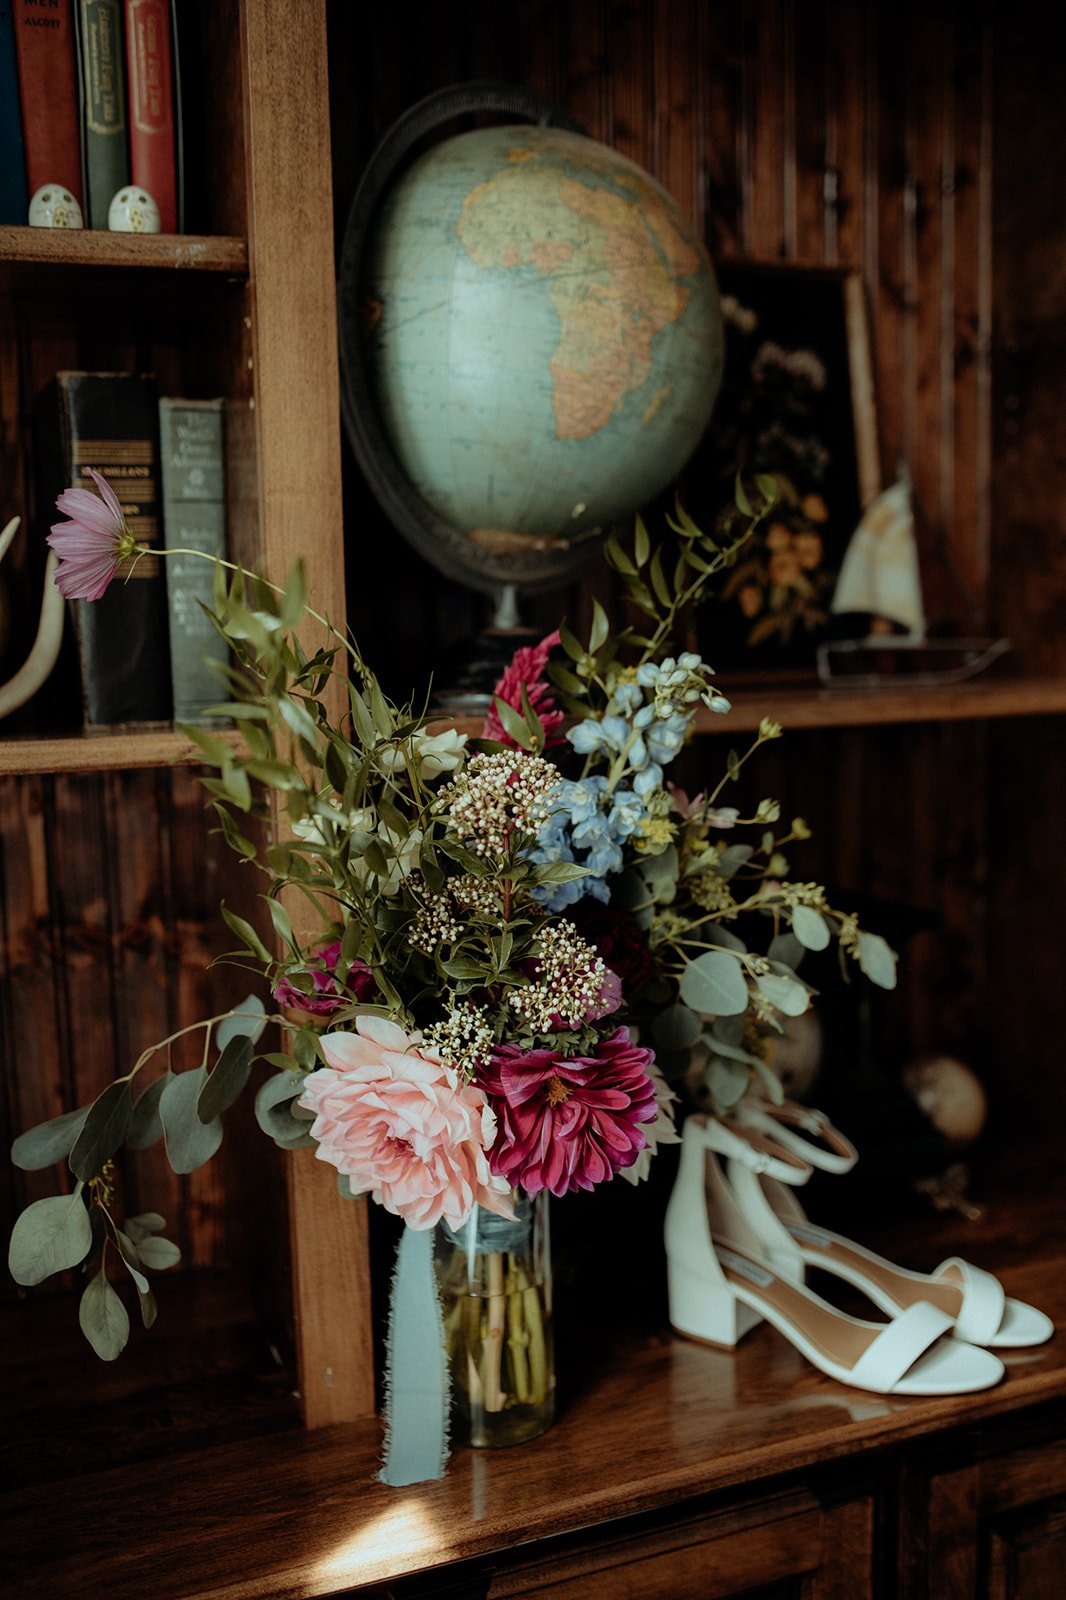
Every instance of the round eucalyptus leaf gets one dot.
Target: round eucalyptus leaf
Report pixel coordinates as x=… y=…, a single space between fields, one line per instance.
x=103 y=1318
x=103 y=1131
x=273 y=1110
x=190 y=1142
x=149 y=1309
x=146 y=1127
x=48 y=1142
x=785 y=994
x=131 y=1256
x=226 y=1080
x=878 y=960
x=714 y=984
x=728 y=1082
x=676 y=1028
x=148 y=1222
x=247 y=1020
x=810 y=928
x=786 y=949
x=158 y=1254
x=49 y=1236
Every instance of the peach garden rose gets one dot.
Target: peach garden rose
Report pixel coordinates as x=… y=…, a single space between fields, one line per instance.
x=401 y=1125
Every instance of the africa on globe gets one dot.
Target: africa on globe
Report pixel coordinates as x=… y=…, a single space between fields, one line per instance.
x=543 y=330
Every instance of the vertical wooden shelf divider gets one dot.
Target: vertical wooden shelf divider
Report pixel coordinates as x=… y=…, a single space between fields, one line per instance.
x=295 y=420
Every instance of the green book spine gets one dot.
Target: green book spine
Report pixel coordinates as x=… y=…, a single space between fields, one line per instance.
x=110 y=422
x=194 y=518
x=102 y=72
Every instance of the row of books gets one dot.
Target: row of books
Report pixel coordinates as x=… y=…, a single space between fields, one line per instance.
x=146 y=646
x=89 y=102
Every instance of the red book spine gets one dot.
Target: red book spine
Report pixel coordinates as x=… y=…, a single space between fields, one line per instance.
x=44 y=42
x=151 y=96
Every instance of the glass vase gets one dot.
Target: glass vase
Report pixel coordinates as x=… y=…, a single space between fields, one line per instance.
x=496 y=1293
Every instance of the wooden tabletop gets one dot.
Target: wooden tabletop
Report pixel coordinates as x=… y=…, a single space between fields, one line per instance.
x=181 y=1507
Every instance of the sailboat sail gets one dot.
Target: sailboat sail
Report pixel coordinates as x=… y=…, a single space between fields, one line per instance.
x=879 y=574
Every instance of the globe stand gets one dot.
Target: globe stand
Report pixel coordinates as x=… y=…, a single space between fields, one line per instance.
x=471 y=671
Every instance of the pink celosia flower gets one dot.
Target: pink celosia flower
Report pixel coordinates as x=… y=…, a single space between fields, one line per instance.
x=93 y=544
x=568 y=1122
x=402 y=1126
x=527 y=667
x=327 y=996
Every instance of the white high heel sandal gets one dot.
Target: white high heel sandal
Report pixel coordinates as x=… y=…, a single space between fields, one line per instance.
x=974 y=1299
x=722 y=1284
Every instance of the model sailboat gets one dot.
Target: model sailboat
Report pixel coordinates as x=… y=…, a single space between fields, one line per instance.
x=880 y=587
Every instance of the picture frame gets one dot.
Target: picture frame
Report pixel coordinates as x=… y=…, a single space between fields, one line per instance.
x=797 y=404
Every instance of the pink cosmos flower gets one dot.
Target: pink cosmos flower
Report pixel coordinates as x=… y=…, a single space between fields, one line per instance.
x=527 y=667
x=693 y=810
x=327 y=995
x=93 y=544
x=569 y=1122
x=403 y=1127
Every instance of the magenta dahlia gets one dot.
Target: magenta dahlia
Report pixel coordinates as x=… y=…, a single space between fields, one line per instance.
x=568 y=1122
x=527 y=668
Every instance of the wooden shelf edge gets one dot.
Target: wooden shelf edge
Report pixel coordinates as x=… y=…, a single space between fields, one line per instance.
x=105 y=752
x=95 y=247
x=799 y=709
x=796 y=710
x=855 y=708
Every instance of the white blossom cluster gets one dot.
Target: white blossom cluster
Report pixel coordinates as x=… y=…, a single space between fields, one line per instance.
x=495 y=794
x=569 y=982
x=463 y=1040
x=434 y=923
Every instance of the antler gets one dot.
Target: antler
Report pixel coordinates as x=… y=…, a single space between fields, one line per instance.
x=42 y=658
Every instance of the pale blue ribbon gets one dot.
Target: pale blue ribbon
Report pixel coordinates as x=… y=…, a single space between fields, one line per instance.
x=417 y=1389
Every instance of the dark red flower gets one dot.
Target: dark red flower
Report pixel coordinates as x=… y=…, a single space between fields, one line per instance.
x=568 y=1122
x=326 y=996
x=618 y=939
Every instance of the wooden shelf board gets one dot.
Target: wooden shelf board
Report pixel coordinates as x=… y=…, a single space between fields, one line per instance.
x=103 y=752
x=795 y=709
x=864 y=708
x=64 y=248
x=800 y=708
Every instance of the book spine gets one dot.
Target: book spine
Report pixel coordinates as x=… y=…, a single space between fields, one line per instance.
x=103 y=97
x=150 y=77
x=14 y=197
x=110 y=423
x=44 y=46
x=191 y=450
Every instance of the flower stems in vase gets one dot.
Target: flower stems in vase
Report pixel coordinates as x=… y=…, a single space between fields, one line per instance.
x=495 y=1282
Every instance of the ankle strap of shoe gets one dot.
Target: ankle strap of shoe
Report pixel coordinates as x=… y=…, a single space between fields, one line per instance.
x=785 y=1124
x=750 y=1148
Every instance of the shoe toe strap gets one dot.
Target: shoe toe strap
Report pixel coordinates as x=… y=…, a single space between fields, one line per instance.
x=892 y=1354
x=983 y=1299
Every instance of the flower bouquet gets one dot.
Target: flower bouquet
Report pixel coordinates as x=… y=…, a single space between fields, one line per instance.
x=476 y=949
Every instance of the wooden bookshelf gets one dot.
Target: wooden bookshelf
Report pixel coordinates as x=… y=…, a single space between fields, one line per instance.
x=245 y=311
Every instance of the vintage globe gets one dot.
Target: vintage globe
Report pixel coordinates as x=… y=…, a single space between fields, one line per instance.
x=542 y=342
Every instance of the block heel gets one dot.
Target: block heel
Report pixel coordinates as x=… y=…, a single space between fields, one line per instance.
x=706 y=1310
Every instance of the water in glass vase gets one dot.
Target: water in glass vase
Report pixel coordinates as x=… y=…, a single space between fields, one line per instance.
x=496 y=1291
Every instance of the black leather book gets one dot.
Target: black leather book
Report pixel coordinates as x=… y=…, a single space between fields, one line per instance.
x=109 y=421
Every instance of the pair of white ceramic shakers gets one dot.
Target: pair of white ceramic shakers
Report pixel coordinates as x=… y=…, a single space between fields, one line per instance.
x=739 y=1245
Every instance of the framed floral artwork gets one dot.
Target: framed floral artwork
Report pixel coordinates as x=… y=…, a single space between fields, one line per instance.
x=797 y=406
